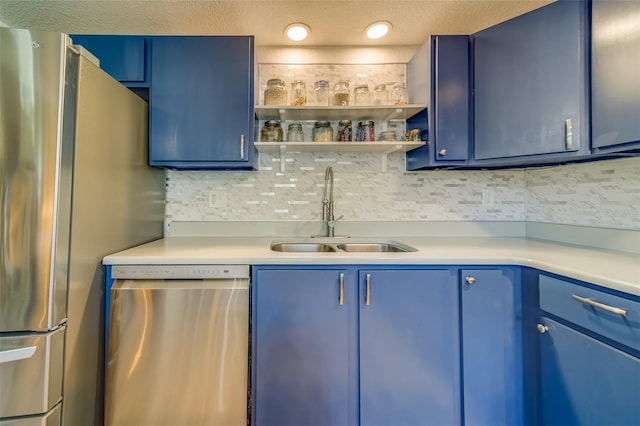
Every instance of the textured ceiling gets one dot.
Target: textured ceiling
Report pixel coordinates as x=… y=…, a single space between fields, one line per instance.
x=333 y=23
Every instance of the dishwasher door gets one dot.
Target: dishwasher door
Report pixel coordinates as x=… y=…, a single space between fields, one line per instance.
x=178 y=353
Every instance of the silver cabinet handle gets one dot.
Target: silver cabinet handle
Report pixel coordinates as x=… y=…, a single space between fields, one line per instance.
x=242 y=147
x=341 y=297
x=568 y=133
x=599 y=305
x=542 y=328
x=470 y=280
x=367 y=298
x=442 y=152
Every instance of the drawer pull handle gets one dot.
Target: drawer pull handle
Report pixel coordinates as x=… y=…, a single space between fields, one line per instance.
x=17 y=354
x=599 y=305
x=341 y=297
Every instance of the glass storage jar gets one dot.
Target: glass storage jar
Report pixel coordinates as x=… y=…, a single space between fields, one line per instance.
x=271 y=131
x=344 y=131
x=321 y=88
x=295 y=133
x=341 y=93
x=361 y=95
x=380 y=95
x=298 y=93
x=399 y=95
x=366 y=131
x=275 y=93
x=322 y=132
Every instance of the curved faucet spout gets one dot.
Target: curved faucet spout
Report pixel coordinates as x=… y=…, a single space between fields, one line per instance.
x=327 y=203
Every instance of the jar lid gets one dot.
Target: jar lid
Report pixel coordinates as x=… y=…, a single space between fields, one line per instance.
x=275 y=81
x=321 y=83
x=366 y=123
x=381 y=87
x=342 y=83
x=272 y=123
x=295 y=126
x=344 y=122
x=321 y=124
x=294 y=82
x=399 y=85
x=362 y=86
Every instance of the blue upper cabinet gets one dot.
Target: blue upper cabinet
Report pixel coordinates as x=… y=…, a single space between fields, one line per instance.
x=615 y=75
x=531 y=87
x=449 y=117
x=122 y=57
x=201 y=102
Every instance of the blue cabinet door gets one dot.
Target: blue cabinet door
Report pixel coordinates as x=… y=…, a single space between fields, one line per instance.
x=122 y=57
x=491 y=347
x=449 y=120
x=304 y=347
x=201 y=102
x=531 y=86
x=586 y=382
x=409 y=348
x=615 y=65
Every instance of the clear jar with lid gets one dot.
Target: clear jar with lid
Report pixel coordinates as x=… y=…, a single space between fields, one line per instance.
x=295 y=133
x=341 y=93
x=322 y=131
x=345 y=132
x=399 y=95
x=298 y=93
x=361 y=95
x=366 y=131
x=380 y=95
x=275 y=93
x=321 y=89
x=271 y=132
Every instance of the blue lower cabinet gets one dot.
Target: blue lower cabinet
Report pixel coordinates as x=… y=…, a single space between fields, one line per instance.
x=409 y=348
x=491 y=347
x=348 y=347
x=585 y=381
x=304 y=348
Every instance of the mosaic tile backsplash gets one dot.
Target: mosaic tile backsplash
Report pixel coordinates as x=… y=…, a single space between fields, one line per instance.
x=600 y=194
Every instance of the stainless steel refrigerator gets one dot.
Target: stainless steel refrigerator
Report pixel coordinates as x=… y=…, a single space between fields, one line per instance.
x=74 y=186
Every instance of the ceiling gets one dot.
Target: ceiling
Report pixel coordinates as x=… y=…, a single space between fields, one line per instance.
x=332 y=23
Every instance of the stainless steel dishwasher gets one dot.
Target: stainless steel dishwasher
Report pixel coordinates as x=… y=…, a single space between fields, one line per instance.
x=178 y=346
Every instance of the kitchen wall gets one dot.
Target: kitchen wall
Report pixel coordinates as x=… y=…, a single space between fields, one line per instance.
x=603 y=194
x=599 y=194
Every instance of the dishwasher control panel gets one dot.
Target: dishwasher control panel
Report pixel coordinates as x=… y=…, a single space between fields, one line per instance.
x=179 y=272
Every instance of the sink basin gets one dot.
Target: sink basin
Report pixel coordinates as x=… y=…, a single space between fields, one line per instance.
x=375 y=247
x=302 y=247
x=332 y=246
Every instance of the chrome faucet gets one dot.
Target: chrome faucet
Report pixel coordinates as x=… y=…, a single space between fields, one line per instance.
x=327 y=203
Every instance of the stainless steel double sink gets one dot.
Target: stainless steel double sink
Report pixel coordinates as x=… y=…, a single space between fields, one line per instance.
x=333 y=245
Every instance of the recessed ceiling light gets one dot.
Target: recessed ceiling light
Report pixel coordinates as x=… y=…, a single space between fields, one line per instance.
x=297 y=31
x=377 y=29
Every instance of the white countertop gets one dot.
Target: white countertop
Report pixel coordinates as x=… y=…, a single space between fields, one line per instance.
x=612 y=269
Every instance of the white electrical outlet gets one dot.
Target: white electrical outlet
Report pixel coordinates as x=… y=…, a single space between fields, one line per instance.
x=218 y=199
x=488 y=197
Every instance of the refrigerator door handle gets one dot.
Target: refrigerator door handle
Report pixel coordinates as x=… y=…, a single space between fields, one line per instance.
x=17 y=354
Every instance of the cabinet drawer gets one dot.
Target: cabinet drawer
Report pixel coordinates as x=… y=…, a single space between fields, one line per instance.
x=590 y=309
